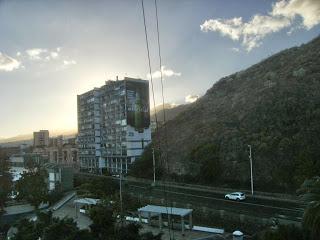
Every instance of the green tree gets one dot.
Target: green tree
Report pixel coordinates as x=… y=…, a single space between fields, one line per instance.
x=128 y=232
x=143 y=167
x=306 y=168
x=32 y=187
x=206 y=157
x=5 y=179
x=61 y=229
x=310 y=193
x=130 y=203
x=103 y=221
x=105 y=227
x=283 y=232
x=46 y=227
x=84 y=234
x=131 y=232
x=98 y=187
x=26 y=230
x=150 y=236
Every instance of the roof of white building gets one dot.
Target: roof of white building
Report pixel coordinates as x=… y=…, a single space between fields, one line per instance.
x=166 y=210
x=87 y=201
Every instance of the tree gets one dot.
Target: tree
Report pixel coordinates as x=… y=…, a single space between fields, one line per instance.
x=32 y=187
x=131 y=232
x=98 y=188
x=84 y=234
x=310 y=193
x=46 y=227
x=150 y=236
x=128 y=232
x=283 y=232
x=103 y=221
x=26 y=231
x=105 y=227
x=143 y=167
x=5 y=179
x=207 y=158
x=61 y=229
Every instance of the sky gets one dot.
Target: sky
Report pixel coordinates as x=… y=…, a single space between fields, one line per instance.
x=50 y=51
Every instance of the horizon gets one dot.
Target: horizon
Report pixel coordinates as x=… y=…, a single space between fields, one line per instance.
x=63 y=54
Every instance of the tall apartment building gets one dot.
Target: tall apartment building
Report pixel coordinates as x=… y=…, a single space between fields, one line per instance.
x=113 y=125
x=41 y=138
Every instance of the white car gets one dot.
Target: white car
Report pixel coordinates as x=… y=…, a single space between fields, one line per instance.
x=238 y=196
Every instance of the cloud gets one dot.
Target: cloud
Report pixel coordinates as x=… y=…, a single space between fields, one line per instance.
x=36 y=53
x=7 y=63
x=191 y=98
x=166 y=72
x=51 y=56
x=308 y=10
x=42 y=53
x=234 y=49
x=230 y=27
x=70 y=62
x=54 y=55
x=282 y=16
x=46 y=56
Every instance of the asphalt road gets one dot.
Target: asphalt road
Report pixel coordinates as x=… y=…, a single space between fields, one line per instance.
x=199 y=197
x=251 y=206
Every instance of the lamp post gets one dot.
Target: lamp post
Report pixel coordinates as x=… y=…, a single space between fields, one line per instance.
x=154 y=167
x=250 y=158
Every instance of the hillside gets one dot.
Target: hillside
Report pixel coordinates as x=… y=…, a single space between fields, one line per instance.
x=274 y=106
x=28 y=138
x=171 y=112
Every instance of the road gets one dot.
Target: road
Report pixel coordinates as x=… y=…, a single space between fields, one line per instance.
x=200 y=197
x=251 y=206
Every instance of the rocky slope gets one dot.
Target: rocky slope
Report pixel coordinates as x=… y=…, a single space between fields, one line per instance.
x=171 y=112
x=273 y=105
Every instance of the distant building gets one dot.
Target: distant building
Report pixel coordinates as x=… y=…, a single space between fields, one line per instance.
x=25 y=159
x=60 y=151
x=56 y=141
x=41 y=138
x=113 y=125
x=63 y=154
x=59 y=177
x=17 y=160
x=19 y=163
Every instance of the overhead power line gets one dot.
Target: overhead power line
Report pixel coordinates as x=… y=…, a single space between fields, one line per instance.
x=153 y=96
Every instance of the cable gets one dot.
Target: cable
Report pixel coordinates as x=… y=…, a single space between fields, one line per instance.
x=149 y=62
x=166 y=157
x=151 y=80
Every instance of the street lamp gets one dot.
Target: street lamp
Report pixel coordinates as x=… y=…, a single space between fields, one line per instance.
x=250 y=158
x=154 y=167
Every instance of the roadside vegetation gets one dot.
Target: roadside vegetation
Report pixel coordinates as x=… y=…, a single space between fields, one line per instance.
x=107 y=218
x=32 y=187
x=5 y=180
x=310 y=229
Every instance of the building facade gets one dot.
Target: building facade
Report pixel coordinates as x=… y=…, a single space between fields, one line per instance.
x=63 y=152
x=60 y=178
x=113 y=125
x=41 y=138
x=60 y=151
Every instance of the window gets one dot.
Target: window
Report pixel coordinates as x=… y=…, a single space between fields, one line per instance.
x=130 y=134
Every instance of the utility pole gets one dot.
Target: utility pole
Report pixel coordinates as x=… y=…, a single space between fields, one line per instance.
x=250 y=158
x=121 y=210
x=154 y=167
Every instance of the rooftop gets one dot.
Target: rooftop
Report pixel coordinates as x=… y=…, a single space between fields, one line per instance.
x=166 y=210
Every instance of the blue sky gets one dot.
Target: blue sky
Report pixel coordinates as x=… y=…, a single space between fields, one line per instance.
x=50 y=51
